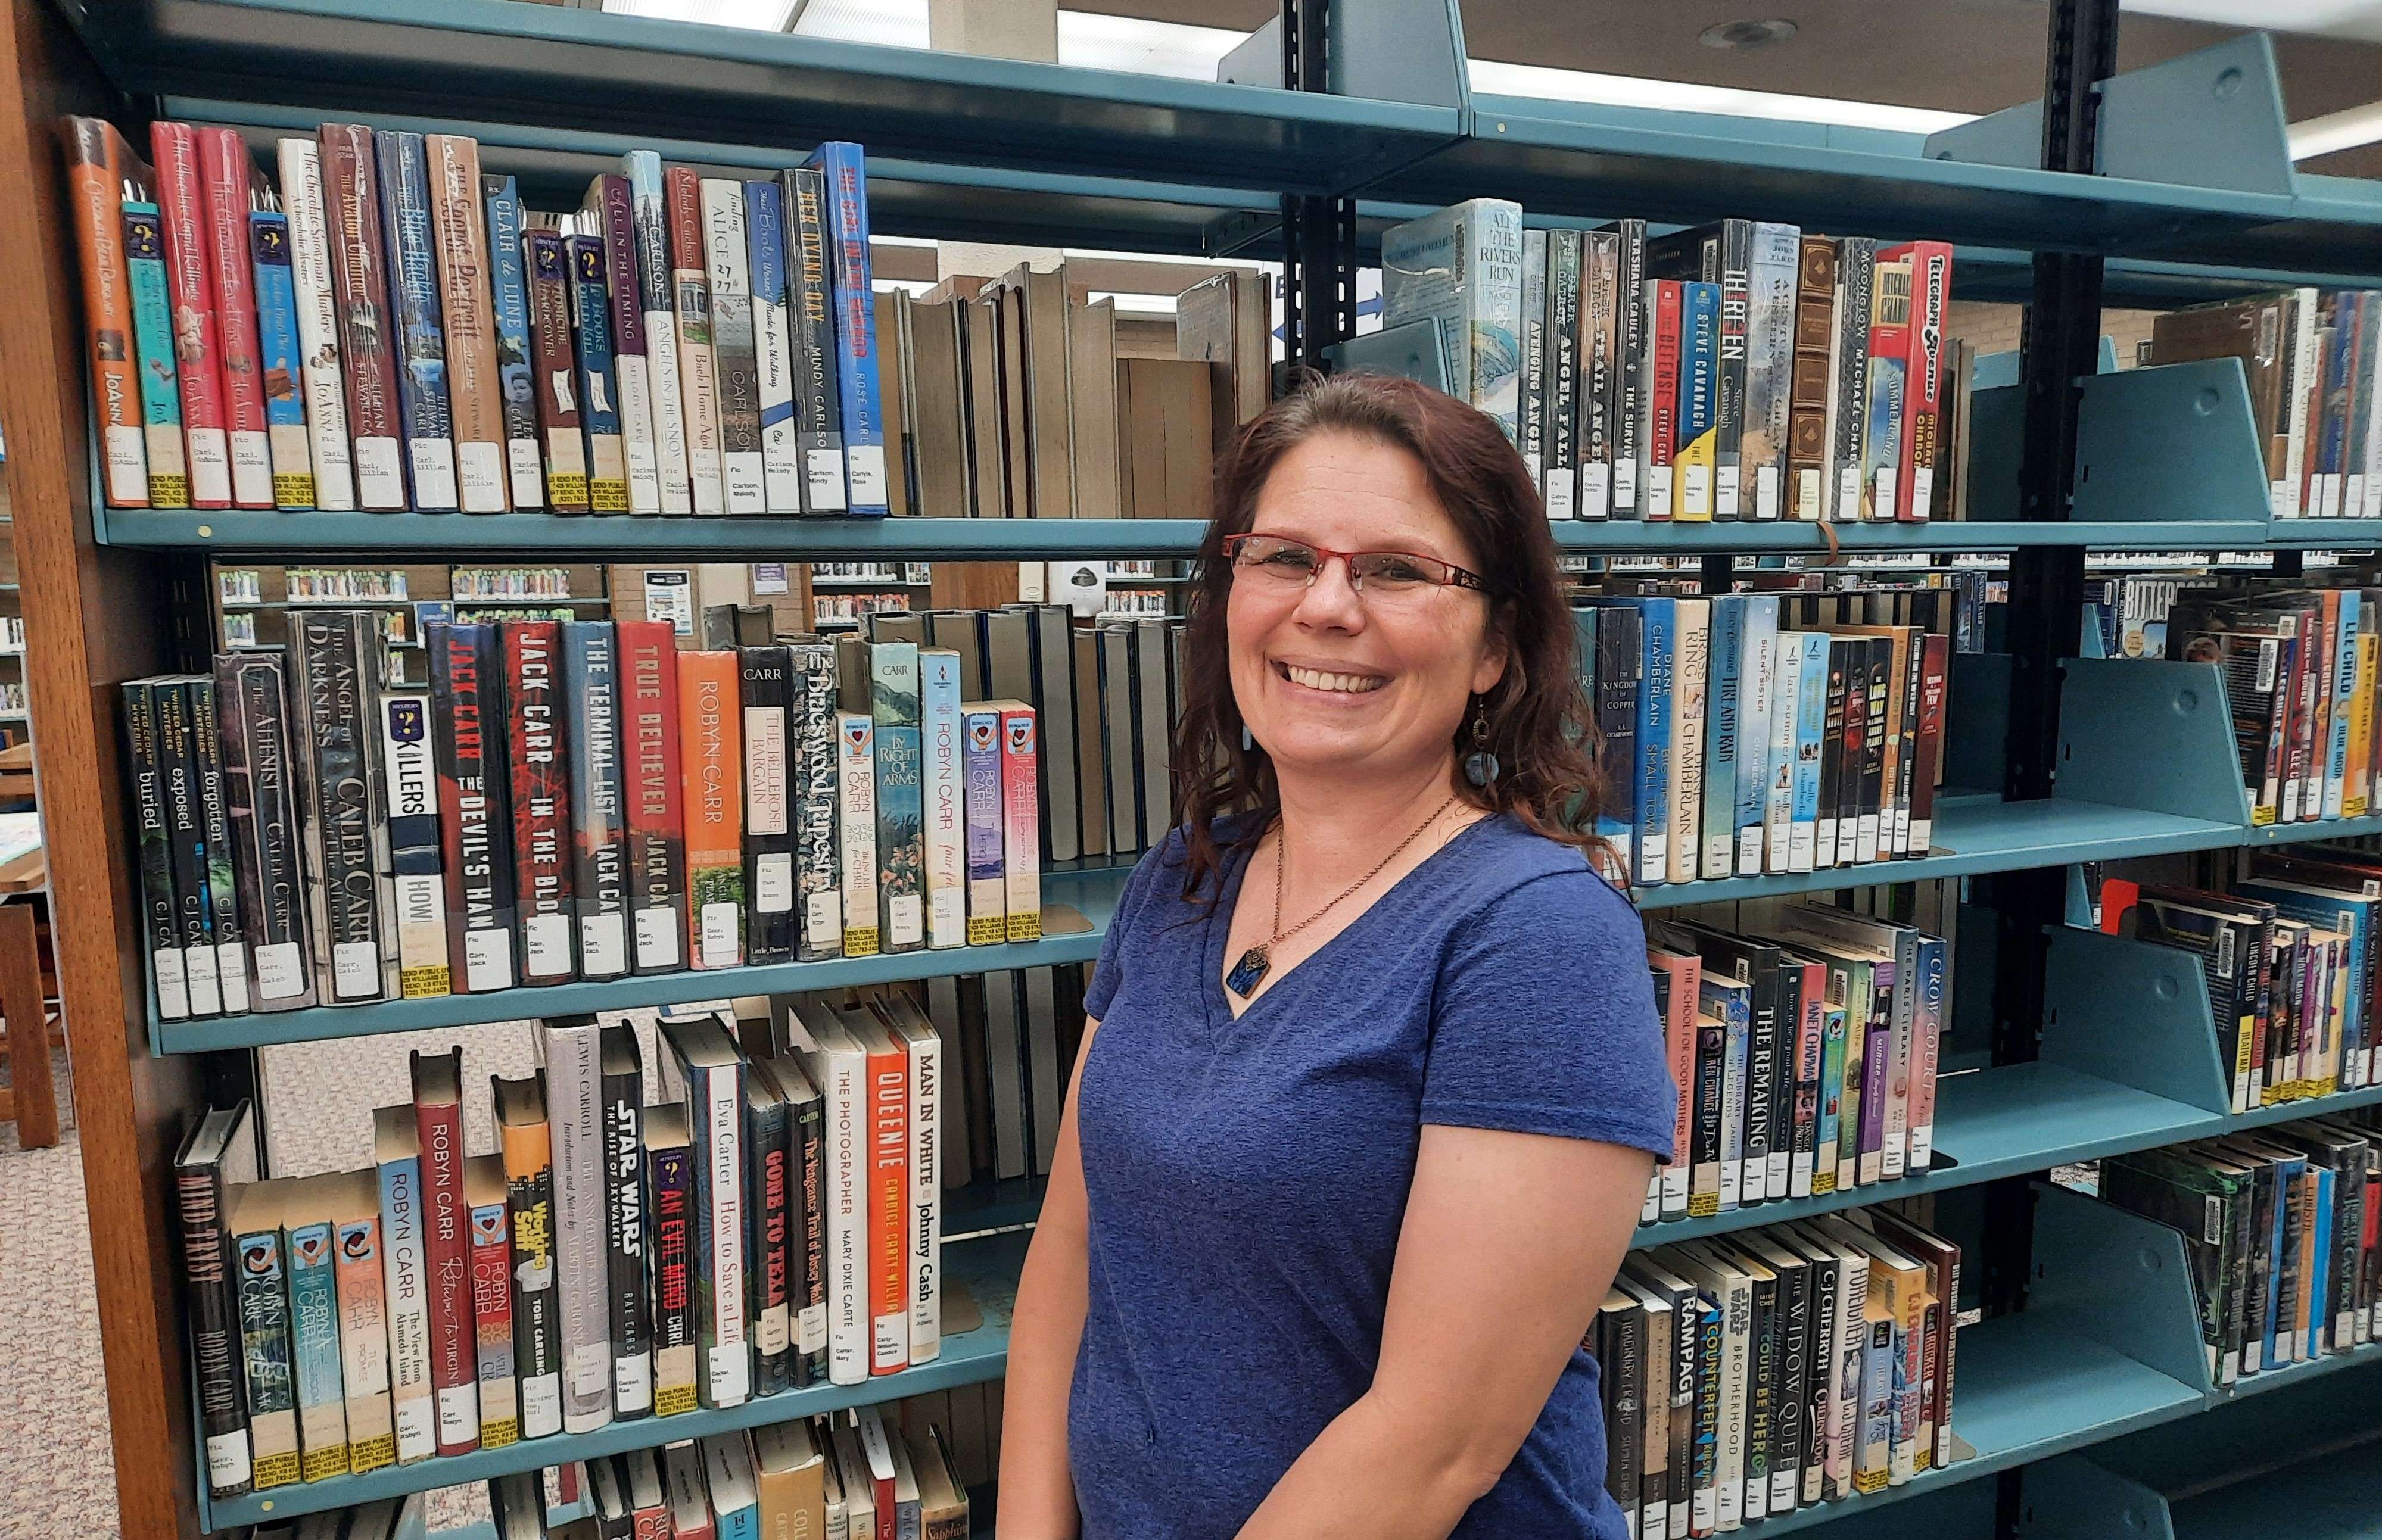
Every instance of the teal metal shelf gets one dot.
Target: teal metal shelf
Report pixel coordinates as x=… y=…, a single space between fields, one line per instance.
x=2325 y=533
x=1094 y=892
x=987 y=1268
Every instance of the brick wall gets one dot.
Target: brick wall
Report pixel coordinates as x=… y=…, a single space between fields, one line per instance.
x=1994 y=328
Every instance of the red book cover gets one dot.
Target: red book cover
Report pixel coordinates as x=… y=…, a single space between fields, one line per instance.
x=198 y=359
x=492 y=1299
x=1934 y=660
x=1685 y=972
x=541 y=787
x=1662 y=420
x=888 y=1200
x=1923 y=415
x=657 y=830
x=446 y=1249
x=711 y=757
x=359 y=295
x=228 y=176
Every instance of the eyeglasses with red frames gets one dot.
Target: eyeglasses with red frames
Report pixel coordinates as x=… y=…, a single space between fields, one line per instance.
x=1280 y=559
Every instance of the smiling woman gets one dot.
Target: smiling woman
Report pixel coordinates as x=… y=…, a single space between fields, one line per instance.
x=1349 y=1167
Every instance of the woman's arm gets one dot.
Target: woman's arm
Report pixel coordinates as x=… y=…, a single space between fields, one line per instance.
x=1038 y=1493
x=1488 y=1299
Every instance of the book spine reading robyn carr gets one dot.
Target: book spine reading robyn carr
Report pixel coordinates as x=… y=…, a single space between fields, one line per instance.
x=625 y=1223
x=846 y=194
x=265 y=1339
x=508 y=315
x=1021 y=821
x=773 y=917
x=611 y=203
x=317 y=314
x=981 y=795
x=227 y=175
x=419 y=913
x=460 y=222
x=446 y=1246
x=599 y=410
x=153 y=331
x=231 y=931
x=819 y=409
x=337 y=655
x=553 y=367
x=252 y=687
x=856 y=740
x=655 y=823
x=420 y=354
x=781 y=458
x=901 y=846
x=96 y=173
x=541 y=800
x=277 y=361
x=489 y=1218
x=655 y=297
x=711 y=755
x=817 y=858
x=591 y=674
x=731 y=346
x=360 y=300
x=941 y=806
x=161 y=920
x=698 y=377
x=181 y=203
x=476 y=811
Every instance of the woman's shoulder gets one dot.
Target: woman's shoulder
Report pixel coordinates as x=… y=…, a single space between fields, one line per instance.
x=1161 y=867
x=1513 y=876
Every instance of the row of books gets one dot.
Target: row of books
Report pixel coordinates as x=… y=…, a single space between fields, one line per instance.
x=772 y=1220
x=2291 y=956
x=1735 y=370
x=566 y=799
x=389 y=329
x=1759 y=733
x=1805 y=1060
x=2316 y=395
x=2302 y=668
x=1748 y=1376
x=2280 y=1226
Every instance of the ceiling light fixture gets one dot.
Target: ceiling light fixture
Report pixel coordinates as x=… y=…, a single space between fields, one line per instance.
x=1746 y=34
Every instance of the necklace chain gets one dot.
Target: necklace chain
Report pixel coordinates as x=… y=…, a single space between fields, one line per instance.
x=1282 y=863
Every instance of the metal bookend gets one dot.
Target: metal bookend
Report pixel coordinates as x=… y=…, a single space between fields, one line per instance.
x=2072 y=1498
x=2149 y=734
x=2132 y=1013
x=2168 y=442
x=1390 y=49
x=2120 y=1280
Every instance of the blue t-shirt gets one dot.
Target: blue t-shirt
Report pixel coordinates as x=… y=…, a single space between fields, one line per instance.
x=1247 y=1178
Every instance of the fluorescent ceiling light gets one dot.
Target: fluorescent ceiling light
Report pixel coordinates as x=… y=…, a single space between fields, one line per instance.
x=1623 y=90
x=2341 y=19
x=1126 y=42
x=2337 y=131
x=892 y=23
x=768 y=16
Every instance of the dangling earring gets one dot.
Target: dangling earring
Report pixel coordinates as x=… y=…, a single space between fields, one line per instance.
x=1248 y=744
x=1480 y=766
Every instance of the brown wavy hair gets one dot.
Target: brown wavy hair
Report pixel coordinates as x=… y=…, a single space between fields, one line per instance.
x=1540 y=724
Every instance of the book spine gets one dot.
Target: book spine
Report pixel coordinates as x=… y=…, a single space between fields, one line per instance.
x=475 y=820
x=363 y=1343
x=600 y=412
x=1532 y=438
x=781 y=458
x=360 y=300
x=537 y=1331
x=655 y=824
x=574 y=1104
x=339 y=706
x=153 y=330
x=1687 y=790
x=923 y=1236
x=1779 y=788
x=624 y=1243
x=460 y=223
x=446 y=1248
x=818 y=409
x=1628 y=379
x=187 y=843
x=673 y=1175
x=410 y=768
x=1021 y=820
x=768 y=1313
x=1857 y=271
x=315 y=310
x=223 y=903
x=509 y=319
x=1599 y=301
x=1697 y=457
x=987 y=883
x=888 y=1205
x=731 y=346
x=1561 y=479
x=600 y=883
x=1811 y=735
x=717 y=1108
x=855 y=736
x=265 y=1355
x=95 y=180
x=846 y=194
x=407 y=1282
x=1651 y=836
x=198 y=359
x=1732 y=485
x=555 y=370
x=773 y=917
x=541 y=802
x=1727 y=760
x=414 y=301
x=213 y=1293
x=809 y=1144
x=277 y=356
x=227 y=174
x=631 y=361
x=699 y=383
x=1890 y=375
x=658 y=300
x=160 y=910
x=1769 y=368
x=1922 y=437
x=1814 y=361
x=1664 y=302
x=817 y=848
x=492 y=1321
x=711 y=750
x=901 y=852
x=844 y=1082
x=276 y=919
x=946 y=839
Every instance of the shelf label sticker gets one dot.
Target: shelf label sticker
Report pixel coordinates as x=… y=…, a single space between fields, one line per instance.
x=433 y=473
x=1658 y=490
x=823 y=918
x=541 y=1402
x=1765 y=491
x=722 y=927
x=1728 y=492
x=590 y=1369
x=603 y=944
x=489 y=960
x=773 y=883
x=657 y=938
x=1923 y=491
x=823 y=475
x=231 y=966
x=458 y=1412
x=1561 y=487
x=632 y=1380
x=906 y=918
x=866 y=462
x=380 y=473
x=1625 y=485
x=1596 y=490
x=1695 y=490
x=480 y=466
x=1848 y=494
x=546 y=944
x=173 y=986
x=355 y=969
x=727 y=1363
x=227 y=1458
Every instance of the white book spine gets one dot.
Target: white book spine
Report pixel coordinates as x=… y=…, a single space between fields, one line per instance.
x=781 y=454
x=856 y=783
x=731 y=311
x=662 y=380
x=1778 y=783
x=1853 y=1303
x=938 y=694
x=925 y=1238
x=637 y=442
x=727 y=1370
x=847 y=1221
x=318 y=326
x=574 y=1099
x=699 y=389
x=2288 y=502
x=1693 y=631
x=406 y=1283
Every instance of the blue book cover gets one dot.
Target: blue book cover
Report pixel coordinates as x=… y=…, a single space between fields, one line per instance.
x=421 y=340
x=508 y=288
x=1724 y=736
x=855 y=324
x=901 y=844
x=153 y=330
x=281 y=356
x=599 y=404
x=2319 y=1278
x=314 y=1351
x=2332 y=458
x=1731 y=1004
x=2356 y=916
x=1811 y=729
x=2344 y=690
x=1699 y=407
x=1654 y=789
x=1827 y=1125
x=1761 y=654
x=264 y=1346
x=765 y=235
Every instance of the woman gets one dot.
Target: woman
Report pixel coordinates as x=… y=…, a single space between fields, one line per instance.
x=1364 y=1118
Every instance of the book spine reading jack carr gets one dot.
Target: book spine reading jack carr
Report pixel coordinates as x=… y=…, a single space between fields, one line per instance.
x=658 y=892
x=591 y=669
x=474 y=801
x=541 y=800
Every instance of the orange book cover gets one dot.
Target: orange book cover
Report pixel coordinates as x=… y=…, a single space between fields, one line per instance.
x=711 y=755
x=98 y=163
x=889 y=1198
x=1684 y=972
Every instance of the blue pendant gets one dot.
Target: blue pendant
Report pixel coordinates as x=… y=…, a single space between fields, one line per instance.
x=1248 y=973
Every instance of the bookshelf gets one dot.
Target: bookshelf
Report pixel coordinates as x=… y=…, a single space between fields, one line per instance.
x=2091 y=1336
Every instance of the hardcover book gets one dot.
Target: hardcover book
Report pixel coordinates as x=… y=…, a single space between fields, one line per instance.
x=216 y=1160
x=184 y=835
x=554 y=367
x=658 y=301
x=526 y=1146
x=711 y=754
x=773 y=917
x=152 y=329
x=732 y=348
x=99 y=167
x=781 y=460
x=1021 y=819
x=845 y=195
x=508 y=318
x=697 y=365
x=316 y=311
x=1462 y=266
x=656 y=826
x=467 y=690
x=231 y=183
x=198 y=358
x=712 y=1071
x=817 y=852
x=943 y=808
x=420 y=354
x=599 y=410
x=336 y=657
x=600 y=876
x=277 y=361
x=492 y=1300
x=230 y=941
x=397 y=1149
x=900 y=848
x=612 y=207
x=541 y=799
x=571 y=1049
x=354 y=1205
x=818 y=405
x=460 y=220
x=411 y=768
x=255 y=1226
x=446 y=1248
x=769 y=1250
x=359 y=298
x=625 y=1223
x=981 y=790
x=669 y=1172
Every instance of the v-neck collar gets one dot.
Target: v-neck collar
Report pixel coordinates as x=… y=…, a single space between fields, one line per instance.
x=1218 y=922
